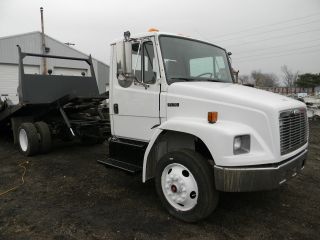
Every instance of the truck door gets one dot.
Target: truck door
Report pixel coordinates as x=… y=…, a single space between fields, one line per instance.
x=136 y=108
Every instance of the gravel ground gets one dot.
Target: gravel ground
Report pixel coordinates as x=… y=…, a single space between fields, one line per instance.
x=67 y=195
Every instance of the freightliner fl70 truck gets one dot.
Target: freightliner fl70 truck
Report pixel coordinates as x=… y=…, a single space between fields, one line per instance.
x=177 y=115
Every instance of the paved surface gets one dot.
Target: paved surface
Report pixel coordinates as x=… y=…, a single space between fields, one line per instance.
x=67 y=195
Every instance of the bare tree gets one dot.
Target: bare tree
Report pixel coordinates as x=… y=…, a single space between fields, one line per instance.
x=244 y=79
x=289 y=78
x=264 y=79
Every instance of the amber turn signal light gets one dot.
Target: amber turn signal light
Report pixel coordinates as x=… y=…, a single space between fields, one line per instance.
x=212 y=117
x=153 y=30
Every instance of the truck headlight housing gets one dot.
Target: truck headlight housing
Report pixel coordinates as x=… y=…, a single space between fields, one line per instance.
x=241 y=144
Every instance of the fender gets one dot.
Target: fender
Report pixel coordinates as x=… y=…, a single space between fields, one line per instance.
x=218 y=138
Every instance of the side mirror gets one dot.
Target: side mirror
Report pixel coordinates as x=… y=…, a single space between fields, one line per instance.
x=124 y=57
x=124 y=63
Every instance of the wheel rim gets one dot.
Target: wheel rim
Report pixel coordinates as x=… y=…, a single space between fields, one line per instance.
x=23 y=140
x=179 y=187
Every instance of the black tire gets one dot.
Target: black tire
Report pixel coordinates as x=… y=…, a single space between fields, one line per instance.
x=28 y=139
x=202 y=172
x=45 y=137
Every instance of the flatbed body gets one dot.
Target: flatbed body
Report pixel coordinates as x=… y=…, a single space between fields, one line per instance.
x=71 y=106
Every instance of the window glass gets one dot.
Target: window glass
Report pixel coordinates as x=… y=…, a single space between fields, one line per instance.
x=201 y=67
x=190 y=60
x=220 y=68
x=136 y=61
x=150 y=73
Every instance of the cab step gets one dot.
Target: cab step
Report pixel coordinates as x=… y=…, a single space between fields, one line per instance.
x=121 y=165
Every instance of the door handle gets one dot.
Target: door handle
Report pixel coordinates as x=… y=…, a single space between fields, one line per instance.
x=116 y=108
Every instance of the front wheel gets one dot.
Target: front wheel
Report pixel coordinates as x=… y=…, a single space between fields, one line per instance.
x=185 y=184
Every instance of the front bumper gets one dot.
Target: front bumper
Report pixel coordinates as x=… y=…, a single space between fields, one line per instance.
x=257 y=178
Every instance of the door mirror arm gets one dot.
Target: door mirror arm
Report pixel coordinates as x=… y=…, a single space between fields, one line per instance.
x=139 y=83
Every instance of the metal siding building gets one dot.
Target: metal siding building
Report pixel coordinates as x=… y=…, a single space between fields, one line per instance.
x=31 y=42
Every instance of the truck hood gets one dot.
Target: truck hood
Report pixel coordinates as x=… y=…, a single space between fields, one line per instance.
x=241 y=110
x=235 y=94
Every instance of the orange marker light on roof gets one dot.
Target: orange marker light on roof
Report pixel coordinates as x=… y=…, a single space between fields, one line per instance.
x=212 y=117
x=153 y=30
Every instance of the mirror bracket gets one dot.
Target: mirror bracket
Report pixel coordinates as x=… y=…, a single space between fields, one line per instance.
x=140 y=83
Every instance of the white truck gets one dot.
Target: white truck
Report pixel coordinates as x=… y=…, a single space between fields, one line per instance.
x=178 y=116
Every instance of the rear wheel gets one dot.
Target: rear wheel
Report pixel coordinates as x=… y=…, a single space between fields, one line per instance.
x=185 y=185
x=45 y=136
x=28 y=139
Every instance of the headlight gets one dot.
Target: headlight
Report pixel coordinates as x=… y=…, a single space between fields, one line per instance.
x=241 y=144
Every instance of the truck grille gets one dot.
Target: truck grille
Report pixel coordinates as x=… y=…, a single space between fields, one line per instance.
x=293 y=129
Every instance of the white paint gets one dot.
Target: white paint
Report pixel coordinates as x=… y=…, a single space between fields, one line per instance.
x=241 y=110
x=181 y=191
x=23 y=140
x=9 y=79
x=138 y=109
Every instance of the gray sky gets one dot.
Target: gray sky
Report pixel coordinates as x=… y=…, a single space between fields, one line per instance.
x=262 y=35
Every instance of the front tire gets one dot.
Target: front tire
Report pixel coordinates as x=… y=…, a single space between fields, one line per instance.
x=28 y=139
x=185 y=184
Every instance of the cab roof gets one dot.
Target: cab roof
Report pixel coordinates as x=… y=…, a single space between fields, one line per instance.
x=158 y=33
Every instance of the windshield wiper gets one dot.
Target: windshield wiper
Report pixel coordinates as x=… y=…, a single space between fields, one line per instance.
x=183 y=78
x=209 y=79
x=196 y=79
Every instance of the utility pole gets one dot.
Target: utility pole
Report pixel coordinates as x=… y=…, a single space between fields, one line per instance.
x=44 y=60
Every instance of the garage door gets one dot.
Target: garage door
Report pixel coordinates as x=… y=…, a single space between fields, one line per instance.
x=69 y=71
x=9 y=79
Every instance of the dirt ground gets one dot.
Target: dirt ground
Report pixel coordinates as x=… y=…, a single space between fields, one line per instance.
x=67 y=195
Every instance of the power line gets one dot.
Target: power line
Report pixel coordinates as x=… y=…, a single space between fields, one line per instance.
x=275 y=37
x=277 y=46
x=284 y=51
x=274 y=30
x=276 y=56
x=262 y=26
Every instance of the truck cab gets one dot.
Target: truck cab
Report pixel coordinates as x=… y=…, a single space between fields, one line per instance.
x=178 y=115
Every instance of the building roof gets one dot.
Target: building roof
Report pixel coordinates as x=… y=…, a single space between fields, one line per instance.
x=53 y=39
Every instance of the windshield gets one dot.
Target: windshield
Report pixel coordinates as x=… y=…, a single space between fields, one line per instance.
x=189 y=60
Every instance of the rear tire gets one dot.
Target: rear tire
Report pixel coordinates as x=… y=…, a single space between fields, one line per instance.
x=45 y=137
x=185 y=184
x=28 y=139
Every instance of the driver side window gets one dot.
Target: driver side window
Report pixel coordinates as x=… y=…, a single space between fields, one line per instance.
x=143 y=62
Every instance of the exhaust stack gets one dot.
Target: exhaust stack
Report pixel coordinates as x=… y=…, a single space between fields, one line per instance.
x=44 y=60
